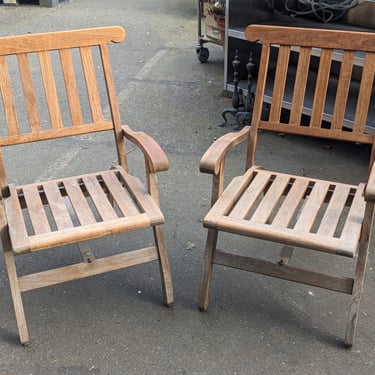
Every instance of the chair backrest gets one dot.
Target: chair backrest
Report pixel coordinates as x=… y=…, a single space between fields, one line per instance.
x=316 y=69
x=58 y=84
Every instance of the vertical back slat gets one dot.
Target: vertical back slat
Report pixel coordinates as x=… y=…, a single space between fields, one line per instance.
x=320 y=93
x=258 y=102
x=300 y=85
x=71 y=87
x=279 y=83
x=261 y=83
x=343 y=89
x=113 y=103
x=50 y=89
x=8 y=98
x=365 y=92
x=29 y=92
x=91 y=84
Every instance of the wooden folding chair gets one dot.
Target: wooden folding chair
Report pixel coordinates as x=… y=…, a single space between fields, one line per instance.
x=65 y=83
x=293 y=210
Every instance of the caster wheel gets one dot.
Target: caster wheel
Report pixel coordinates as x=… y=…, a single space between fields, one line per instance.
x=203 y=54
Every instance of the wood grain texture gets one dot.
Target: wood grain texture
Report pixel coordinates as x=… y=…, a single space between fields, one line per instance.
x=287 y=209
x=72 y=70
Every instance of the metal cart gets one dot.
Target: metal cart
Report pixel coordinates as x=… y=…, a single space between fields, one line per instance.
x=213 y=33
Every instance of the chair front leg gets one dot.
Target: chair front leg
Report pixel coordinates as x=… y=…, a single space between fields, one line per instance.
x=16 y=296
x=359 y=276
x=204 y=290
x=165 y=271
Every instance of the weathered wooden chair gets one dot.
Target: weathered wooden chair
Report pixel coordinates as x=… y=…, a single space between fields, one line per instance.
x=292 y=210
x=72 y=68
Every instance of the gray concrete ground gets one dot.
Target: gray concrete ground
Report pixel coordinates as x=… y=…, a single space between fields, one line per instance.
x=116 y=323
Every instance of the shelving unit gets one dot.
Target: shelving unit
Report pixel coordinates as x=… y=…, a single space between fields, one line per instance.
x=240 y=13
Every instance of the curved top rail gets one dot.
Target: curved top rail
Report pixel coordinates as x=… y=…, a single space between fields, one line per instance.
x=58 y=40
x=309 y=37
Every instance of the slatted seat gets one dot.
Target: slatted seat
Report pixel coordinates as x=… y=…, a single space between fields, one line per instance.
x=57 y=85
x=287 y=208
x=80 y=206
x=297 y=211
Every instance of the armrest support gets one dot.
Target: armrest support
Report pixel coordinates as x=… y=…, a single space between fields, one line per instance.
x=212 y=159
x=155 y=157
x=370 y=186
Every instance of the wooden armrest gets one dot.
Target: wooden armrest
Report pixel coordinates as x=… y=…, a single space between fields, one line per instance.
x=156 y=158
x=370 y=186
x=212 y=158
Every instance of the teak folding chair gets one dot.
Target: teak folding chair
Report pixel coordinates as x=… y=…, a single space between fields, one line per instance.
x=292 y=210
x=66 y=83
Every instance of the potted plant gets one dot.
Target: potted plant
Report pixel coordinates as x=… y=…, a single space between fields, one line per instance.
x=215 y=20
x=216 y=8
x=217 y=11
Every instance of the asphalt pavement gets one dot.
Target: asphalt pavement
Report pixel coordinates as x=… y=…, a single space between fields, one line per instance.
x=117 y=323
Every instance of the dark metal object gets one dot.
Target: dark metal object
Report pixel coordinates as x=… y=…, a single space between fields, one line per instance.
x=242 y=105
x=244 y=117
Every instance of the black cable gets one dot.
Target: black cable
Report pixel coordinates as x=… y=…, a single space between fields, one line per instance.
x=324 y=10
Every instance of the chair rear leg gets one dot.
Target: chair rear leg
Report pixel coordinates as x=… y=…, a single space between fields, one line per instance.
x=165 y=271
x=356 y=293
x=16 y=296
x=204 y=290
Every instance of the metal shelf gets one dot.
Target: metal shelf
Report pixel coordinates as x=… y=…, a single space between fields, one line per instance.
x=241 y=13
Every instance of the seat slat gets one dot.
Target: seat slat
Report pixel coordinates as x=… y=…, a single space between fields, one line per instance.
x=99 y=198
x=334 y=210
x=291 y=203
x=312 y=206
x=57 y=205
x=120 y=194
x=77 y=199
x=352 y=227
x=271 y=199
x=230 y=195
x=141 y=196
x=90 y=231
x=250 y=195
x=16 y=223
x=286 y=236
x=35 y=209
